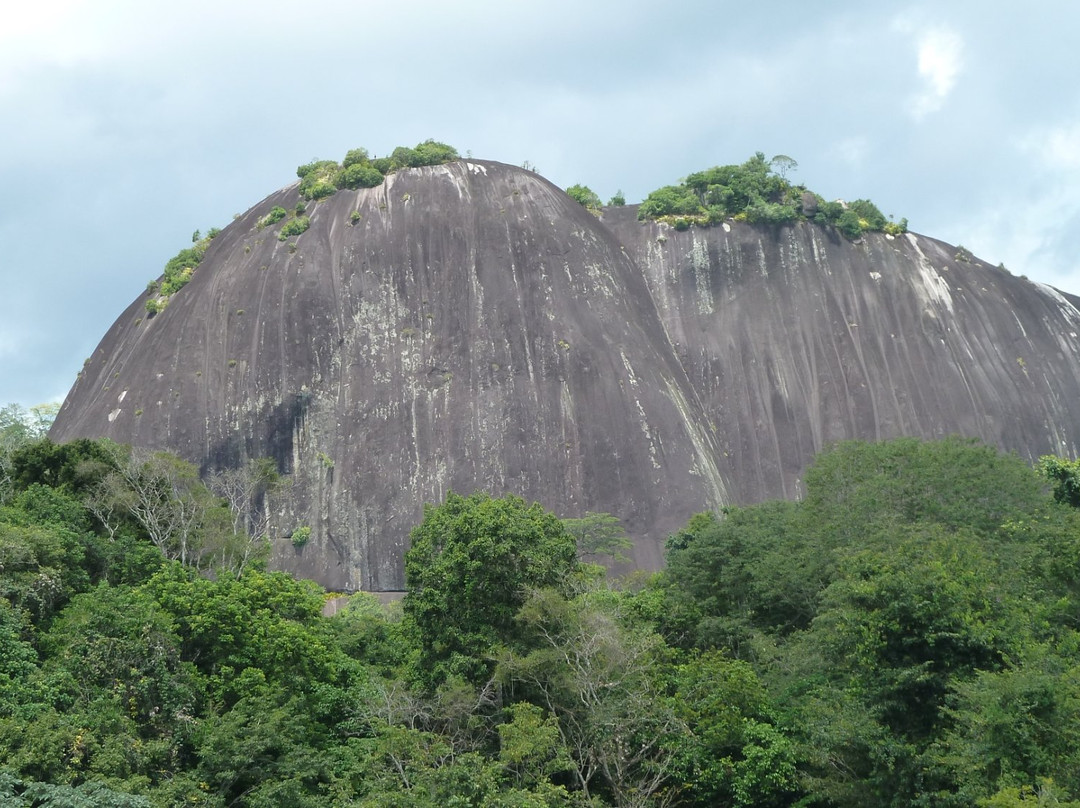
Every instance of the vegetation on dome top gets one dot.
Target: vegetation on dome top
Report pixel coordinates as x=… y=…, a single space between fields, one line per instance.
x=318 y=179
x=321 y=178
x=759 y=192
x=585 y=195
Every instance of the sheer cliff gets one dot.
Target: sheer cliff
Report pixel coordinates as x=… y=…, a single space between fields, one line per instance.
x=469 y=326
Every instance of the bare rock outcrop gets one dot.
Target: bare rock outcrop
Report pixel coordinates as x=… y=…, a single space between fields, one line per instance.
x=468 y=326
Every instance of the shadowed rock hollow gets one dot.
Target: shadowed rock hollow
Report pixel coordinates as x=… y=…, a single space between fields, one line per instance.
x=476 y=328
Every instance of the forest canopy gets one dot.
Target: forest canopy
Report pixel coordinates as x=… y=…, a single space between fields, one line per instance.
x=906 y=635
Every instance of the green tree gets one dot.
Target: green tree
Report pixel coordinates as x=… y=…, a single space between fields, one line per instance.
x=360 y=175
x=599 y=534
x=585 y=196
x=870 y=218
x=357 y=156
x=848 y=223
x=783 y=165
x=259 y=626
x=472 y=561
x=1064 y=476
x=732 y=753
x=16 y=793
x=603 y=677
x=671 y=200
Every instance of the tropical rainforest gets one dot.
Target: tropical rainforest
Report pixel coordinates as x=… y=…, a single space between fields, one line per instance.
x=908 y=634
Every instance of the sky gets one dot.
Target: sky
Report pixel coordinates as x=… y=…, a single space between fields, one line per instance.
x=125 y=125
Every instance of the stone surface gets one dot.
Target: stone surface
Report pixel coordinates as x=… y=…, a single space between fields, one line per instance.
x=476 y=328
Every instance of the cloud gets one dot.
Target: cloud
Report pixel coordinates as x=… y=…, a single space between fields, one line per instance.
x=940 y=60
x=9 y=343
x=1057 y=147
x=852 y=151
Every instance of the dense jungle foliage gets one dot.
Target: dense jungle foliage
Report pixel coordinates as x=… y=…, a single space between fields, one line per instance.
x=906 y=635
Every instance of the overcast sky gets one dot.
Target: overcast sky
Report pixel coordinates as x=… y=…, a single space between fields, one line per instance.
x=127 y=124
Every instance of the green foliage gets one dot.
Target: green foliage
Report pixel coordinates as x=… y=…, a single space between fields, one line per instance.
x=906 y=635
x=671 y=200
x=602 y=677
x=300 y=536
x=357 y=156
x=294 y=227
x=276 y=214
x=322 y=178
x=1064 y=476
x=870 y=218
x=256 y=627
x=20 y=426
x=428 y=153
x=757 y=191
x=317 y=178
x=905 y=613
x=179 y=268
x=618 y=200
x=849 y=224
x=470 y=565
x=896 y=228
x=584 y=195
x=16 y=793
x=829 y=212
x=733 y=753
x=771 y=213
x=116 y=646
x=599 y=534
x=360 y=175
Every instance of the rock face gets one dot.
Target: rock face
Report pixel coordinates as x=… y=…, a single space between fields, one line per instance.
x=469 y=326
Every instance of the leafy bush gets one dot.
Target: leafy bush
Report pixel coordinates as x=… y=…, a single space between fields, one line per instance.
x=618 y=200
x=276 y=214
x=829 y=212
x=404 y=157
x=294 y=227
x=671 y=200
x=849 y=224
x=360 y=175
x=585 y=196
x=758 y=192
x=300 y=536
x=433 y=153
x=759 y=212
x=355 y=157
x=868 y=212
x=319 y=189
x=179 y=268
x=314 y=166
x=896 y=228
x=317 y=179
